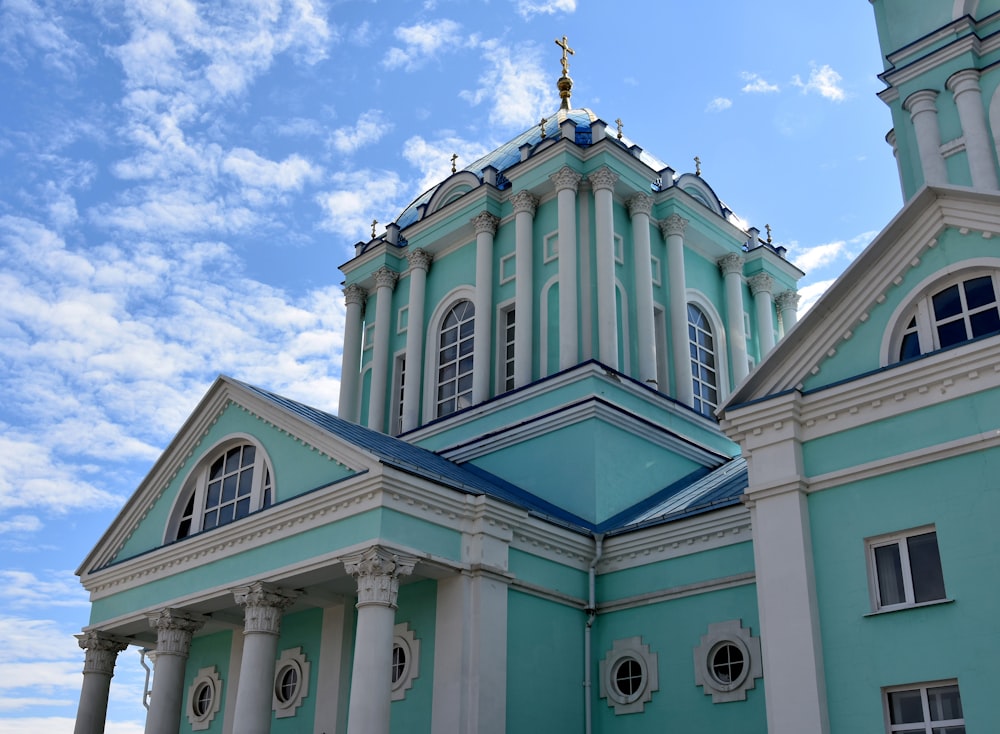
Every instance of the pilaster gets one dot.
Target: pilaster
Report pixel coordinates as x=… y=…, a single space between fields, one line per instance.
x=420 y=263
x=525 y=205
x=350 y=367
x=567 y=182
x=964 y=86
x=923 y=113
x=761 y=286
x=385 y=282
x=731 y=266
x=673 y=228
x=603 y=182
x=788 y=305
x=486 y=228
x=640 y=206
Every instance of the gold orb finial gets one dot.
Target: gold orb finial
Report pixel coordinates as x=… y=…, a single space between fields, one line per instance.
x=565 y=84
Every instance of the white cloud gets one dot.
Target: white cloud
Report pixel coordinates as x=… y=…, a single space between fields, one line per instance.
x=422 y=42
x=24 y=589
x=824 y=81
x=812 y=293
x=819 y=255
x=255 y=171
x=30 y=32
x=359 y=197
x=62 y=725
x=20 y=524
x=527 y=8
x=756 y=84
x=370 y=128
x=515 y=84
x=719 y=104
x=433 y=158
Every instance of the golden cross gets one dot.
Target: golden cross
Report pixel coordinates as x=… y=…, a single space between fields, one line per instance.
x=619 y=123
x=374 y=222
x=454 y=157
x=541 y=126
x=564 y=45
x=768 y=228
x=697 y=166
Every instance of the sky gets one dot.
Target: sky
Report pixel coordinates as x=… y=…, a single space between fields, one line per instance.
x=180 y=180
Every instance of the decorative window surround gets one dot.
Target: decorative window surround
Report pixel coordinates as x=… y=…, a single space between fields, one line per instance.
x=727 y=663
x=204 y=698
x=369 y=337
x=928 y=708
x=628 y=676
x=402 y=319
x=904 y=569
x=405 y=660
x=291 y=682
x=507 y=271
x=550 y=247
x=619 y=250
x=657 y=277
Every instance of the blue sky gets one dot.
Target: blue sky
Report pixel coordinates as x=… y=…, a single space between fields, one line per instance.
x=179 y=181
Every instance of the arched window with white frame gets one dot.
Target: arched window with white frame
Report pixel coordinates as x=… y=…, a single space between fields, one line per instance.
x=454 y=369
x=948 y=312
x=704 y=361
x=233 y=480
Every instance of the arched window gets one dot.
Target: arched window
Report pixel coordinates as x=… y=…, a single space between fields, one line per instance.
x=454 y=379
x=704 y=373
x=964 y=309
x=229 y=484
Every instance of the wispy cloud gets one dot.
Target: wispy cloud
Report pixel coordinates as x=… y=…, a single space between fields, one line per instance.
x=755 y=84
x=422 y=42
x=823 y=81
x=433 y=157
x=719 y=104
x=370 y=128
x=820 y=255
x=31 y=33
x=514 y=83
x=528 y=8
x=257 y=172
x=357 y=198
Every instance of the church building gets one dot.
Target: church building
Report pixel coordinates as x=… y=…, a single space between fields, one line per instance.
x=589 y=474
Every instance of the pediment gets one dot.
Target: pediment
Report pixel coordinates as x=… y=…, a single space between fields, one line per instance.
x=842 y=336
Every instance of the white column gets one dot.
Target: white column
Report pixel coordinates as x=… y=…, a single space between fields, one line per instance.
x=377 y=571
x=890 y=138
x=263 y=605
x=964 y=85
x=788 y=305
x=760 y=287
x=567 y=183
x=486 y=227
x=639 y=207
x=420 y=263
x=98 y=669
x=923 y=113
x=350 y=367
x=731 y=266
x=173 y=643
x=603 y=181
x=385 y=281
x=673 y=232
x=524 y=216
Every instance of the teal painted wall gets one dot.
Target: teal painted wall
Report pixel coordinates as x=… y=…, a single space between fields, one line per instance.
x=208 y=651
x=301 y=629
x=547 y=574
x=862 y=652
x=297 y=469
x=417 y=607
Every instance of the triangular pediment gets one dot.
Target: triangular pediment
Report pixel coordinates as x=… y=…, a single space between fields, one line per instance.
x=843 y=335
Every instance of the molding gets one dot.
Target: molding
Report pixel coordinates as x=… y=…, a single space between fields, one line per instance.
x=543 y=592
x=677 y=592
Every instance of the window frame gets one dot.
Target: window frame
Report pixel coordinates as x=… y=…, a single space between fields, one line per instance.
x=900 y=540
x=194 y=489
x=698 y=384
x=505 y=339
x=285 y=705
x=432 y=351
x=628 y=650
x=205 y=679
x=928 y=723
x=720 y=635
x=404 y=639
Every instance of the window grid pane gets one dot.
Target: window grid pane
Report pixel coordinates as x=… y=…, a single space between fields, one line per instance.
x=455 y=362
x=704 y=378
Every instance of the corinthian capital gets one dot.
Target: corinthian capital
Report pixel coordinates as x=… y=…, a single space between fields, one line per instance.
x=674 y=224
x=420 y=259
x=377 y=571
x=354 y=293
x=174 y=630
x=603 y=178
x=101 y=652
x=263 y=604
x=485 y=222
x=788 y=300
x=566 y=178
x=761 y=283
x=385 y=278
x=640 y=204
x=524 y=201
x=731 y=263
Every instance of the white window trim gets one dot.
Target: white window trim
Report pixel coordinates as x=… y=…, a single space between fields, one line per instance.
x=892 y=337
x=657 y=277
x=721 y=341
x=398 y=385
x=402 y=319
x=501 y=344
x=928 y=725
x=291 y=658
x=897 y=538
x=368 y=337
x=210 y=677
x=550 y=247
x=402 y=636
x=619 y=249
x=507 y=261
x=733 y=633
x=432 y=349
x=621 y=650
x=196 y=482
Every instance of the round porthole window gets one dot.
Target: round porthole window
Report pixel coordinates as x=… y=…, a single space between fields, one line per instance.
x=204 y=698
x=291 y=682
x=400 y=659
x=628 y=679
x=405 y=660
x=286 y=683
x=727 y=664
x=628 y=676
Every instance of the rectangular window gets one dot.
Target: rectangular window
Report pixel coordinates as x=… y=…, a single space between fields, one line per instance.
x=935 y=708
x=507 y=324
x=905 y=569
x=399 y=383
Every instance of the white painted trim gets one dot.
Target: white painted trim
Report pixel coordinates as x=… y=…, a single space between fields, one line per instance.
x=543 y=327
x=433 y=348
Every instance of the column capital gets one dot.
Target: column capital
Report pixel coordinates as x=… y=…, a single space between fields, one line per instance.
x=385 y=278
x=419 y=259
x=354 y=293
x=731 y=263
x=674 y=224
x=486 y=222
x=966 y=80
x=377 y=571
x=603 y=178
x=761 y=283
x=263 y=604
x=174 y=630
x=922 y=101
x=640 y=204
x=566 y=178
x=524 y=201
x=788 y=300
x=101 y=652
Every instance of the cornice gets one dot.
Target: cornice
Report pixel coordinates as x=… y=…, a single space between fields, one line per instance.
x=677 y=592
